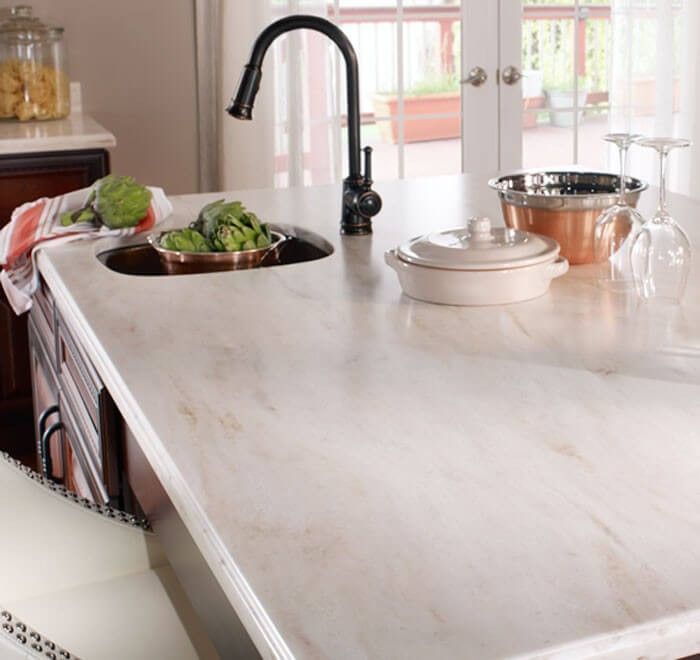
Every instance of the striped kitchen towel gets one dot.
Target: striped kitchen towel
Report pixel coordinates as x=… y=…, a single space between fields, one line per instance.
x=37 y=224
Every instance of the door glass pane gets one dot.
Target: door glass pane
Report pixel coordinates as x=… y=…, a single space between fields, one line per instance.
x=433 y=146
x=432 y=94
x=371 y=26
x=566 y=66
x=633 y=65
x=546 y=145
x=385 y=159
x=409 y=54
x=549 y=84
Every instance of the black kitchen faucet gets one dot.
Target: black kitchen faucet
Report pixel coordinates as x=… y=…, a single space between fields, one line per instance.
x=360 y=202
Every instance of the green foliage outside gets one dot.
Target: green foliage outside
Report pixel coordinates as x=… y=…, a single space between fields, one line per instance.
x=437 y=85
x=549 y=46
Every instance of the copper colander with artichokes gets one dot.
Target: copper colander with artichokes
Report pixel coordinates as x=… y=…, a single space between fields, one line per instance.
x=220 y=227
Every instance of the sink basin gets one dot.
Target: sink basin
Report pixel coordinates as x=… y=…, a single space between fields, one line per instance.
x=142 y=259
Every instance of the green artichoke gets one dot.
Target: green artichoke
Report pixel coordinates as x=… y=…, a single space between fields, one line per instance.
x=227 y=239
x=185 y=240
x=229 y=227
x=120 y=202
x=81 y=215
x=115 y=201
x=214 y=214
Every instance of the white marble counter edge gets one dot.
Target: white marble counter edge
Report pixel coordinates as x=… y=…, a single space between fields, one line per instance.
x=257 y=623
x=667 y=638
x=29 y=145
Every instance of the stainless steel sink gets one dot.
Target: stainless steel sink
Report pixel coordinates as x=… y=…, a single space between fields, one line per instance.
x=142 y=259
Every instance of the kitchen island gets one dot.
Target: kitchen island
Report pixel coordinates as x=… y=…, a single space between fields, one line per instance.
x=369 y=476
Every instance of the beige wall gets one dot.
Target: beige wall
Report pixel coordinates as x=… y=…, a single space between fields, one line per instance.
x=136 y=62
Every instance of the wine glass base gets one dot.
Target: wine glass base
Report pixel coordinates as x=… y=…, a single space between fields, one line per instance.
x=660 y=301
x=616 y=286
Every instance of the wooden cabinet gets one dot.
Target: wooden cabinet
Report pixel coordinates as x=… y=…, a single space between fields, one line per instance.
x=77 y=425
x=24 y=178
x=45 y=397
x=28 y=176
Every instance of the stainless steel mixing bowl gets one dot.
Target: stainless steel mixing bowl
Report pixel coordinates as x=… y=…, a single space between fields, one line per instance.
x=562 y=204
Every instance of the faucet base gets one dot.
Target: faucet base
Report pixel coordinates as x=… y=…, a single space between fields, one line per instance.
x=360 y=203
x=355 y=225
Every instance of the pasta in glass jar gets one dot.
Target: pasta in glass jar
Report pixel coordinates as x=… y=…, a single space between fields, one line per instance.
x=33 y=79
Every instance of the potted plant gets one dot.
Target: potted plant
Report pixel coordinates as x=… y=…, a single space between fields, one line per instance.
x=432 y=96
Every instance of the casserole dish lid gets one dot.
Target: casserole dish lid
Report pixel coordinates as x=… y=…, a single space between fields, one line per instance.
x=479 y=247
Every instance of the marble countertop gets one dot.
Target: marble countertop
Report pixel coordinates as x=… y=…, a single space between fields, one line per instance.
x=77 y=131
x=370 y=476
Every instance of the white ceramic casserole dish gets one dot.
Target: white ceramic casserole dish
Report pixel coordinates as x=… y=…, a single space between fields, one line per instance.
x=477 y=265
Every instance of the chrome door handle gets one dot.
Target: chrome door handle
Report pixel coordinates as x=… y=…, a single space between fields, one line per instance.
x=476 y=77
x=511 y=75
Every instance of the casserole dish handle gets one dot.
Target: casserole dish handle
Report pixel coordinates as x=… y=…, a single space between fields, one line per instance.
x=558 y=268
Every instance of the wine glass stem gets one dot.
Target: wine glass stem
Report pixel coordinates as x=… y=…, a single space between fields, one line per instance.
x=663 y=154
x=623 y=175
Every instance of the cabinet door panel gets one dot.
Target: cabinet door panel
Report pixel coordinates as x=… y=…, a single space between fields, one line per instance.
x=75 y=477
x=45 y=396
x=84 y=461
x=14 y=353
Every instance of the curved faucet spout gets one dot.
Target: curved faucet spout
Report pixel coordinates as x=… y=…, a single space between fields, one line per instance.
x=360 y=202
x=241 y=106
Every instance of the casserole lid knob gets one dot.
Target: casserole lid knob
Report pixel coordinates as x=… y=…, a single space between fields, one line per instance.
x=480 y=230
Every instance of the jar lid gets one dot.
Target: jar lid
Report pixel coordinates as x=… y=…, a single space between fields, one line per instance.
x=22 y=27
x=479 y=247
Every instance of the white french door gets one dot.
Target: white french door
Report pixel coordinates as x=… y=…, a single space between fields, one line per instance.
x=479 y=84
x=510 y=124
x=491 y=103
x=548 y=97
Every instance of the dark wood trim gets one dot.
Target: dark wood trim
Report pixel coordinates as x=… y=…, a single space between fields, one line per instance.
x=94 y=162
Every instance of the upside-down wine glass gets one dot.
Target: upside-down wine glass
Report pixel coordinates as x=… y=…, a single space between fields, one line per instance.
x=661 y=253
x=617 y=227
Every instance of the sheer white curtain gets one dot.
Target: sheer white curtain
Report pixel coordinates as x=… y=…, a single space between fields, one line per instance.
x=295 y=136
x=655 y=87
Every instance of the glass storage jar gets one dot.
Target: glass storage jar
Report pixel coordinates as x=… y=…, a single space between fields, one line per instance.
x=34 y=83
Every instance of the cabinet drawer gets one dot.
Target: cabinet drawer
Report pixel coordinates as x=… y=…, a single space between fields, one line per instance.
x=76 y=370
x=45 y=395
x=75 y=478
x=44 y=306
x=43 y=323
x=42 y=345
x=85 y=470
x=81 y=419
x=95 y=416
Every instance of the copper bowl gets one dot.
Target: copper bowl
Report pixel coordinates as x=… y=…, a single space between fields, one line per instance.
x=563 y=205
x=180 y=263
